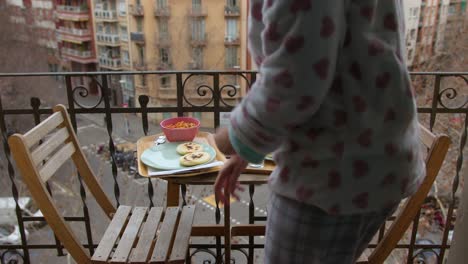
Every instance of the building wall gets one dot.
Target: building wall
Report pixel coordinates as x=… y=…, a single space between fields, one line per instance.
x=412 y=9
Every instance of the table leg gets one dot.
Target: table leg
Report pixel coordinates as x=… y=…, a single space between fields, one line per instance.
x=172 y=195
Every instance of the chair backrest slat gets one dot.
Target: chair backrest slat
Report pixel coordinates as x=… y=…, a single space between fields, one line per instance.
x=57 y=160
x=426 y=136
x=51 y=144
x=34 y=135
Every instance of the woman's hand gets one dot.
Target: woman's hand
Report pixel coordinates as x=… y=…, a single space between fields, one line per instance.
x=226 y=182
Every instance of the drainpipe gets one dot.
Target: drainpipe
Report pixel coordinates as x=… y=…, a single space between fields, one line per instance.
x=458 y=253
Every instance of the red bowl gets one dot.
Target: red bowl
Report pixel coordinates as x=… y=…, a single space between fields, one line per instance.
x=180 y=134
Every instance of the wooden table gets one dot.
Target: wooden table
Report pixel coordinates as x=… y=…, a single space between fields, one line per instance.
x=250 y=176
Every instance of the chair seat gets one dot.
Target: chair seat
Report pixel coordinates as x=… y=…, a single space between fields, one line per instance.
x=141 y=236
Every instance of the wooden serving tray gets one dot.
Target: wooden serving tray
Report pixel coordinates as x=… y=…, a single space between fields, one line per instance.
x=202 y=137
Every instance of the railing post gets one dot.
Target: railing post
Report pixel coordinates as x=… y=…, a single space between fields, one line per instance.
x=143 y=100
x=108 y=119
x=14 y=189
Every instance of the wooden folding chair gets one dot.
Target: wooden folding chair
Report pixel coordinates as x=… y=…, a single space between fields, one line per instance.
x=438 y=147
x=131 y=236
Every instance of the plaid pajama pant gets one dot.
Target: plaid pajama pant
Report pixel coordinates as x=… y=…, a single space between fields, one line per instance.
x=304 y=234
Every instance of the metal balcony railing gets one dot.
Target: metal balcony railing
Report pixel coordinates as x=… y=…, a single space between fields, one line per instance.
x=72 y=9
x=113 y=39
x=77 y=53
x=106 y=15
x=443 y=108
x=138 y=37
x=74 y=31
x=162 y=11
x=231 y=11
x=111 y=63
x=136 y=10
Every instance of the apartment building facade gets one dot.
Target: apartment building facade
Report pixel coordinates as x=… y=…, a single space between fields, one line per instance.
x=456 y=22
x=171 y=35
x=37 y=17
x=75 y=36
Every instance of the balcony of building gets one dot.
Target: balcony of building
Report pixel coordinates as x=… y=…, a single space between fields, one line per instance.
x=162 y=11
x=197 y=11
x=76 y=35
x=137 y=37
x=136 y=10
x=76 y=55
x=74 y=13
x=140 y=65
x=198 y=39
x=163 y=40
x=108 y=39
x=110 y=63
x=102 y=128
x=106 y=15
x=164 y=65
x=231 y=11
x=231 y=40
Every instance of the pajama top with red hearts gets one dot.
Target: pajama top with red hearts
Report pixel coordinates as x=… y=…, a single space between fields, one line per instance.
x=333 y=101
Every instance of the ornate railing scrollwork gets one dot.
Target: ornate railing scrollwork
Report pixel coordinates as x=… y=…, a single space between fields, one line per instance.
x=80 y=91
x=201 y=90
x=452 y=94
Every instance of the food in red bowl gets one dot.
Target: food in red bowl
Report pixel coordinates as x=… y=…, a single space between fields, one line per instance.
x=180 y=128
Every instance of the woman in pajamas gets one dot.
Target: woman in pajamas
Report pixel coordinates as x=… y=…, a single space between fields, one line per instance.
x=335 y=106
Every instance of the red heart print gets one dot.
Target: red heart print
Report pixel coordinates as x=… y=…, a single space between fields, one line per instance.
x=300 y=5
x=361 y=200
x=328 y=27
x=284 y=175
x=294 y=43
x=272 y=32
x=375 y=47
x=355 y=71
x=341 y=117
x=272 y=105
x=305 y=103
x=321 y=68
x=269 y=3
x=360 y=169
x=409 y=156
x=303 y=194
x=308 y=162
x=390 y=115
x=360 y=105
x=313 y=133
x=365 y=138
x=334 y=210
x=390 y=149
x=334 y=179
x=284 y=78
x=293 y=146
x=388 y=180
x=337 y=85
x=383 y=80
x=338 y=149
x=390 y=22
x=257 y=11
x=367 y=12
x=348 y=38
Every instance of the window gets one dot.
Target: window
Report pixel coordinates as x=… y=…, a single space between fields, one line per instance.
x=164 y=55
x=165 y=81
x=161 y=4
x=163 y=28
x=141 y=53
x=231 y=29
x=196 y=5
x=122 y=8
x=123 y=33
x=231 y=2
x=125 y=57
x=198 y=29
x=139 y=23
x=231 y=57
x=143 y=80
x=197 y=55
